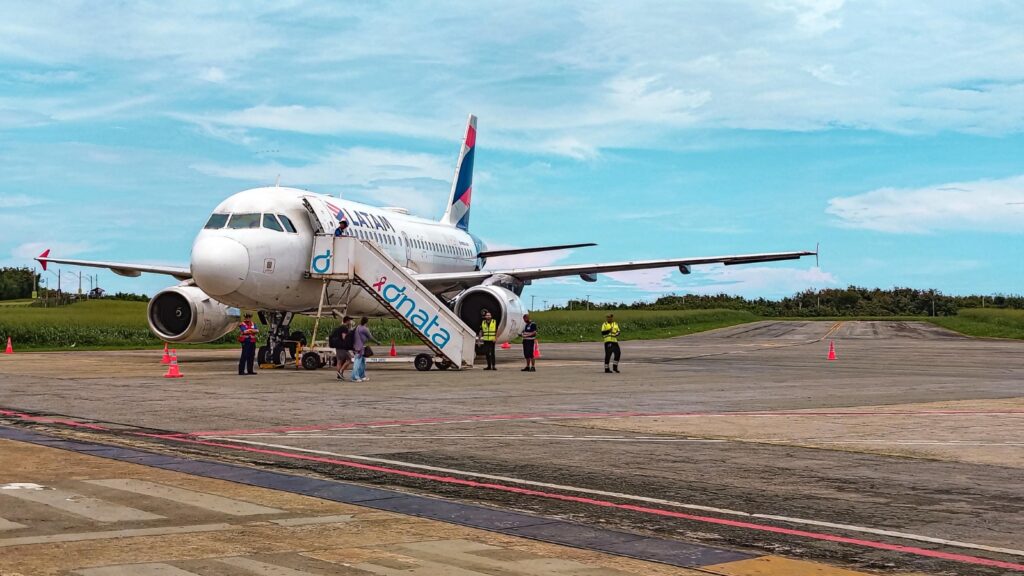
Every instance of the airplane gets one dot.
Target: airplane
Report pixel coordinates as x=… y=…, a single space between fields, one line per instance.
x=254 y=253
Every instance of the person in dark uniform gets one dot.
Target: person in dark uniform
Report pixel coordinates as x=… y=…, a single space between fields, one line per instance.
x=247 y=334
x=610 y=333
x=342 y=225
x=529 y=341
x=488 y=333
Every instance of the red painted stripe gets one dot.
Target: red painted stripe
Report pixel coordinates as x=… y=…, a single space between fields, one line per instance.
x=962 y=558
x=586 y=415
x=47 y=420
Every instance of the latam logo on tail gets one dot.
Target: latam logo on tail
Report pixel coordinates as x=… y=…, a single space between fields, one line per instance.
x=407 y=307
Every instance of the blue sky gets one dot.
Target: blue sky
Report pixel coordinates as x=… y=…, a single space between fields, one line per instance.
x=891 y=133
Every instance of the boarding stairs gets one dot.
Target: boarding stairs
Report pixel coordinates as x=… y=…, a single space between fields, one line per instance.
x=350 y=259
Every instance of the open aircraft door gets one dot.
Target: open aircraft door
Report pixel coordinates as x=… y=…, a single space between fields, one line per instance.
x=321 y=217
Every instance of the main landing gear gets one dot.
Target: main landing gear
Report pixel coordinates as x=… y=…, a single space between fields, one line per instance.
x=279 y=340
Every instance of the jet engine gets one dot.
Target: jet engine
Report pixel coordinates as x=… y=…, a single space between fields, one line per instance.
x=187 y=314
x=504 y=305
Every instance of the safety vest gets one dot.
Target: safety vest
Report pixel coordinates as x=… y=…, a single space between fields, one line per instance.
x=489 y=329
x=243 y=337
x=610 y=331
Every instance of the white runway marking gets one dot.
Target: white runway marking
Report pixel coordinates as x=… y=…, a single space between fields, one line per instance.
x=533 y=437
x=203 y=500
x=724 y=511
x=80 y=505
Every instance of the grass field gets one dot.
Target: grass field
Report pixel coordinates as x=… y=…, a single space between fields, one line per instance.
x=115 y=324
x=985 y=322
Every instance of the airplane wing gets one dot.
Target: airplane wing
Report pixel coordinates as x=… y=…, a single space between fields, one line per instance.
x=453 y=280
x=118 y=267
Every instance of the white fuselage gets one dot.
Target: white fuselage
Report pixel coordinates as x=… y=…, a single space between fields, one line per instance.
x=254 y=252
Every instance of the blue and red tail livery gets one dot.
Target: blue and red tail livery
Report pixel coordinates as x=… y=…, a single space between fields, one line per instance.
x=457 y=213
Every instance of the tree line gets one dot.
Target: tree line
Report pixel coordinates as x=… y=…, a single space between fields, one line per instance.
x=17 y=283
x=850 y=301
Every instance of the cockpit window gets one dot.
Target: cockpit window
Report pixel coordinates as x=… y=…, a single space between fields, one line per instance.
x=287 y=223
x=243 y=221
x=216 y=221
x=270 y=222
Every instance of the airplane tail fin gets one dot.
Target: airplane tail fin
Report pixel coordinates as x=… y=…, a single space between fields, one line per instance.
x=457 y=212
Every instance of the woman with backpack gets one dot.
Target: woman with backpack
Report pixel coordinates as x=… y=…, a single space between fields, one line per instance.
x=362 y=337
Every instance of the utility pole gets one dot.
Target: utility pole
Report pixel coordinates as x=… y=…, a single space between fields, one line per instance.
x=79 y=282
x=533 y=301
x=545 y=304
x=588 y=301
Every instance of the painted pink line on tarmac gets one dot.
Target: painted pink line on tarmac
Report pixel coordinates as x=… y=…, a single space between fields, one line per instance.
x=47 y=420
x=961 y=558
x=590 y=415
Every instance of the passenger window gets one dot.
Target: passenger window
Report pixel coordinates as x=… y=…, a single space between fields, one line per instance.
x=287 y=223
x=216 y=221
x=270 y=222
x=244 y=221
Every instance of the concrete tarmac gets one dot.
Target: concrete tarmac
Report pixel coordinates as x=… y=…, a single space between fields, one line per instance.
x=902 y=456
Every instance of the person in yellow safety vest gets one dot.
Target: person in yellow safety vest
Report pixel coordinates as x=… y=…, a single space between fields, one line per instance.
x=488 y=333
x=610 y=332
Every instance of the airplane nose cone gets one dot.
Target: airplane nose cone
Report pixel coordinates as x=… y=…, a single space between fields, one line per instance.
x=219 y=265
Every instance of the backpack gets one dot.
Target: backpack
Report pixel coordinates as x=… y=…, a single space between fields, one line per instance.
x=349 y=341
x=338 y=337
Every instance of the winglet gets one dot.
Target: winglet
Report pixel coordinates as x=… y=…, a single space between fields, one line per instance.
x=42 y=258
x=817 y=264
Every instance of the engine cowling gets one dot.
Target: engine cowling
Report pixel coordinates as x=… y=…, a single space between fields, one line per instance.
x=187 y=314
x=504 y=305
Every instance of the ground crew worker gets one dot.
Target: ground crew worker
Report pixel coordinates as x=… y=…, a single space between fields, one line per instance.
x=610 y=332
x=529 y=341
x=247 y=334
x=488 y=333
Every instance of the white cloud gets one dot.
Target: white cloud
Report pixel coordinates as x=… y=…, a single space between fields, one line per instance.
x=63 y=249
x=656 y=280
x=19 y=201
x=531 y=260
x=982 y=205
x=213 y=74
x=752 y=281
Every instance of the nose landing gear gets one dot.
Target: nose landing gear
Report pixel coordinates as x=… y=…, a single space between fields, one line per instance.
x=273 y=352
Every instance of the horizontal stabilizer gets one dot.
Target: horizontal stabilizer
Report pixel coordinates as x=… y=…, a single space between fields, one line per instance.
x=512 y=251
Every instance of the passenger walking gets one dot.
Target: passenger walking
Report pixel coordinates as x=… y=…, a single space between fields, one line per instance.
x=488 y=333
x=610 y=332
x=361 y=338
x=341 y=339
x=247 y=334
x=529 y=341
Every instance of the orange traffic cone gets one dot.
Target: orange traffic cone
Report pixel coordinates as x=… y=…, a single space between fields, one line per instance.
x=167 y=357
x=10 y=349
x=393 y=352
x=172 y=370
x=536 y=348
x=831 y=350
x=506 y=346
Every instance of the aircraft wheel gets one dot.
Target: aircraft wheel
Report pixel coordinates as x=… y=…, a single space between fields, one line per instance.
x=263 y=355
x=423 y=362
x=311 y=361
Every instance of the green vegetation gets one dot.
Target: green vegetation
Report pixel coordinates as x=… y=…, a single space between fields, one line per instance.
x=119 y=324
x=17 y=283
x=585 y=325
x=985 y=323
